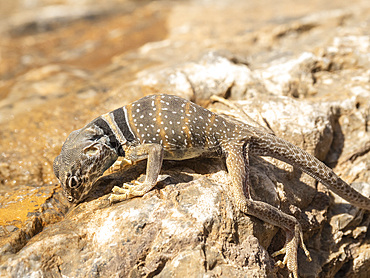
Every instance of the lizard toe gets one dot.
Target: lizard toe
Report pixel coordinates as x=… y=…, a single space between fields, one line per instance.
x=116 y=198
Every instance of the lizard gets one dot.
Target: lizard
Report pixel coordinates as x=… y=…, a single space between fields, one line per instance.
x=159 y=127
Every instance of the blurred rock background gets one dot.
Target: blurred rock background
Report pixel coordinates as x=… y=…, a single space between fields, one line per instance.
x=300 y=69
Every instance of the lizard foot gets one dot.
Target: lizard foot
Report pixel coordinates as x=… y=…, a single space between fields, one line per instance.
x=293 y=238
x=135 y=189
x=127 y=191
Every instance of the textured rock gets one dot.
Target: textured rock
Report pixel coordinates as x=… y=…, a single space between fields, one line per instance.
x=169 y=232
x=300 y=70
x=212 y=74
x=291 y=77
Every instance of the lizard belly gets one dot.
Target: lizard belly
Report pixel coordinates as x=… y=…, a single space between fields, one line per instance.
x=184 y=153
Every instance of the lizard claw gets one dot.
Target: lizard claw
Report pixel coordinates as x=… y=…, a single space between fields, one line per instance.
x=127 y=191
x=293 y=238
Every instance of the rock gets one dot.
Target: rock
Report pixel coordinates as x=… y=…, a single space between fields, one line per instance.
x=360 y=263
x=36 y=211
x=210 y=75
x=293 y=77
x=169 y=232
x=44 y=84
x=301 y=72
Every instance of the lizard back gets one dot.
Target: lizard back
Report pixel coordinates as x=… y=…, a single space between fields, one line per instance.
x=184 y=129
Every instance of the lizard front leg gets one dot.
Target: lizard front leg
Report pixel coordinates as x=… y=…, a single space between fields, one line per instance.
x=154 y=155
x=238 y=166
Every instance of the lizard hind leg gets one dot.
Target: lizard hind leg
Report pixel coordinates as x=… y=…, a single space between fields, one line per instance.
x=237 y=165
x=294 y=235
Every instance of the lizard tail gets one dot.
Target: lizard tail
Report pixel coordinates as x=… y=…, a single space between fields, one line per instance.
x=270 y=145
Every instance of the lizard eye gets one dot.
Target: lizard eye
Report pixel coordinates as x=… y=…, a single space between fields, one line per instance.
x=73 y=182
x=70 y=199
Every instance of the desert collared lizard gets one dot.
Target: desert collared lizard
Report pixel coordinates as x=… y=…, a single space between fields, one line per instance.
x=161 y=127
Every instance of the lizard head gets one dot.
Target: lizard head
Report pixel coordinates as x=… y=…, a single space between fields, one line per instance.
x=85 y=155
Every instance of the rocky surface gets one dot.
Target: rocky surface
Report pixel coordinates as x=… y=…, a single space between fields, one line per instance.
x=300 y=70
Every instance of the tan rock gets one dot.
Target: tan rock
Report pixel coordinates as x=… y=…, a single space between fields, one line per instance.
x=300 y=70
